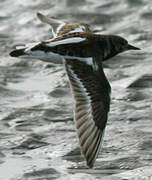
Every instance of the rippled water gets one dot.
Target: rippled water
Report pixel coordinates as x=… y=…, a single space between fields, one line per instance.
x=37 y=133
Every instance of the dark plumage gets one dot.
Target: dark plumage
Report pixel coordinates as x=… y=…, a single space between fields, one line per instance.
x=82 y=52
x=17 y=53
x=106 y=46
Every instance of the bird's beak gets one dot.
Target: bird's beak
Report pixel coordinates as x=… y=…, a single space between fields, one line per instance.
x=130 y=47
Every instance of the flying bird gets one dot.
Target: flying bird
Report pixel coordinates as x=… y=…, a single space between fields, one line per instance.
x=82 y=53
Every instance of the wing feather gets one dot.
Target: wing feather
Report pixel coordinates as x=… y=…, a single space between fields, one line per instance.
x=60 y=28
x=91 y=106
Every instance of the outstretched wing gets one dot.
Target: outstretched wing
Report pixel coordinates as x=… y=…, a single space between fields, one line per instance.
x=55 y=50
x=60 y=28
x=91 y=91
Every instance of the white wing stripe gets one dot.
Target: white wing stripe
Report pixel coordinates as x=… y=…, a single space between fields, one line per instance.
x=87 y=60
x=83 y=91
x=47 y=57
x=66 y=41
x=59 y=28
x=78 y=29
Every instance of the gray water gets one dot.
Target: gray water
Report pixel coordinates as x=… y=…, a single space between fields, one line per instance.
x=37 y=134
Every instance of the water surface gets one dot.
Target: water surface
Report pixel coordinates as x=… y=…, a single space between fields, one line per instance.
x=37 y=134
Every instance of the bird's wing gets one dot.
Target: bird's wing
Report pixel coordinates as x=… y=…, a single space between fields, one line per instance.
x=91 y=92
x=60 y=28
x=56 y=25
x=54 y=50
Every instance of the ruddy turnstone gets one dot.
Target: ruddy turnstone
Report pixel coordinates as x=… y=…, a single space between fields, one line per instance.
x=82 y=52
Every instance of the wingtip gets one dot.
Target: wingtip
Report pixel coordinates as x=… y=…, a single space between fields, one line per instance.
x=90 y=146
x=89 y=162
x=40 y=16
x=90 y=165
x=43 y=18
x=17 y=53
x=52 y=22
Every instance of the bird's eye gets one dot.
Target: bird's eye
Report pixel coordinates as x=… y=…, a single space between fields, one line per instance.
x=123 y=43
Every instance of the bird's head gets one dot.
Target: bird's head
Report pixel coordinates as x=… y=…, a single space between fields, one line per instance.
x=116 y=45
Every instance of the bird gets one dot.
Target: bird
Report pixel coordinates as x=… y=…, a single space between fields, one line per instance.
x=82 y=53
